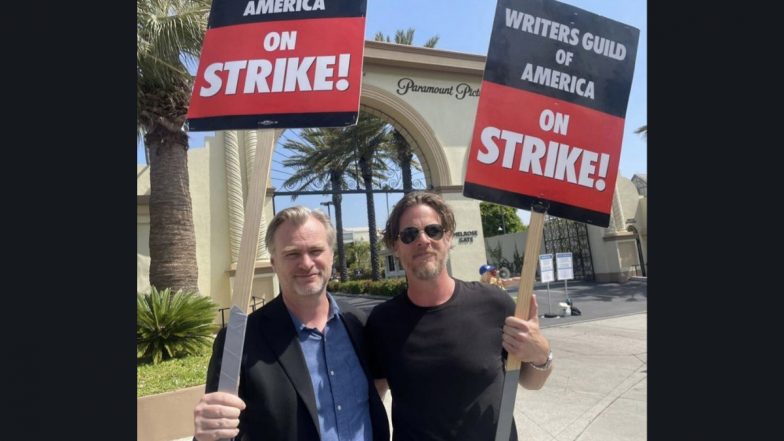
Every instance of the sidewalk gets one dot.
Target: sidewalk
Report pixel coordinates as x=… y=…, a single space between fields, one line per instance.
x=598 y=388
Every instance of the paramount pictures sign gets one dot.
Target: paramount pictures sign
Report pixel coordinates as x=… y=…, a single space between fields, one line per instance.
x=459 y=91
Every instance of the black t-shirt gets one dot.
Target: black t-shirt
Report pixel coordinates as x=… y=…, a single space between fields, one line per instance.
x=444 y=364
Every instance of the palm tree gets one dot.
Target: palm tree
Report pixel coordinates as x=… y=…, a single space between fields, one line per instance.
x=402 y=150
x=321 y=160
x=169 y=36
x=370 y=137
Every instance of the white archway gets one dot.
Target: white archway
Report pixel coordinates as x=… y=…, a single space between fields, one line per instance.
x=414 y=129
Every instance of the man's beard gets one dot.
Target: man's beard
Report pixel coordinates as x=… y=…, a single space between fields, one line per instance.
x=310 y=289
x=429 y=270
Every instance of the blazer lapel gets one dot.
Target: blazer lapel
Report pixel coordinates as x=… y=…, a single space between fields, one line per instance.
x=278 y=331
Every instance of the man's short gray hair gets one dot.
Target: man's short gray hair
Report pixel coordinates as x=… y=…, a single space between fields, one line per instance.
x=298 y=214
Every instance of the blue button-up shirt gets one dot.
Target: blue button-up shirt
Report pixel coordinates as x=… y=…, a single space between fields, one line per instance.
x=339 y=383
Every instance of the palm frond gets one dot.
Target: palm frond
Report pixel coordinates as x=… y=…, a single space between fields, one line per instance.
x=169 y=36
x=432 y=41
x=642 y=130
x=405 y=36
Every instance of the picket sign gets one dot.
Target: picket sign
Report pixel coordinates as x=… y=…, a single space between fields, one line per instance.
x=243 y=278
x=524 y=293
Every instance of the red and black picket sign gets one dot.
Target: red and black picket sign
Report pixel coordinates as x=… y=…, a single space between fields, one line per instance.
x=550 y=116
x=279 y=64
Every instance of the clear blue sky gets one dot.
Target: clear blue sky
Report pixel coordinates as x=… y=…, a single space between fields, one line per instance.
x=465 y=26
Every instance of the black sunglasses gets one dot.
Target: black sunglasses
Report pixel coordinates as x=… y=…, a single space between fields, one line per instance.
x=433 y=231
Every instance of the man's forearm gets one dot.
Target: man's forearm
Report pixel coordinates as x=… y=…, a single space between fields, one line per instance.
x=532 y=378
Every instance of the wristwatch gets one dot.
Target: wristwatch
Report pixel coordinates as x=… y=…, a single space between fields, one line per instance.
x=546 y=365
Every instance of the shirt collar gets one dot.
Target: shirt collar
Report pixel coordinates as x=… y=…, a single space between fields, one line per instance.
x=334 y=310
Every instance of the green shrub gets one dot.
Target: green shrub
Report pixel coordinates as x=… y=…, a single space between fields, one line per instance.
x=387 y=287
x=172 y=325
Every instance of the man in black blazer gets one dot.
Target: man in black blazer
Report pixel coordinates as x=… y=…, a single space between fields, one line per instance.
x=303 y=374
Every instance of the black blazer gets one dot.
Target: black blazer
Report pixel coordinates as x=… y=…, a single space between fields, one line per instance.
x=274 y=379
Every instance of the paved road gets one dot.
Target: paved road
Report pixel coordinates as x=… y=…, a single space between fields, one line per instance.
x=594 y=300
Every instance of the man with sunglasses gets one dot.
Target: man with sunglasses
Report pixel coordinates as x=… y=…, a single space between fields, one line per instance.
x=440 y=346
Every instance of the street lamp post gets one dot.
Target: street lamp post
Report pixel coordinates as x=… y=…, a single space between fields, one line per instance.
x=329 y=210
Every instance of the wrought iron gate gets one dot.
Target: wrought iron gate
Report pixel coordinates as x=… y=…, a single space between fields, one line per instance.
x=564 y=236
